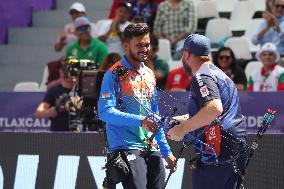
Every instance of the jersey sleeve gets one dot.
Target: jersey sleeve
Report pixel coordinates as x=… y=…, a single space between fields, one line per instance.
x=205 y=88
x=107 y=108
x=163 y=143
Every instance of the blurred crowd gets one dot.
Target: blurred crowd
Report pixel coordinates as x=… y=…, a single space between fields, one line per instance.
x=102 y=44
x=173 y=20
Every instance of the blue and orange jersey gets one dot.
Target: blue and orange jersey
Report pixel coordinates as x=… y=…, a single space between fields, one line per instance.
x=125 y=97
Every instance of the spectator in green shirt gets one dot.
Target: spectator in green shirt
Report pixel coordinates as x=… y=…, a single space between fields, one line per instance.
x=86 y=47
x=158 y=65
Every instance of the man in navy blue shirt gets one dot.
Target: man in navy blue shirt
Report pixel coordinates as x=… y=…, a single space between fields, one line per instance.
x=213 y=98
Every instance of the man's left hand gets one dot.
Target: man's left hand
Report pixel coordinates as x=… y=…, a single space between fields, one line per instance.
x=171 y=161
x=176 y=133
x=148 y=124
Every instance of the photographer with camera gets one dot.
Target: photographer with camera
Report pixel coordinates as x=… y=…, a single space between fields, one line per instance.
x=53 y=105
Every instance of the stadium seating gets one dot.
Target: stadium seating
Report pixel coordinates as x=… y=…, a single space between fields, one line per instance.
x=165 y=50
x=241 y=14
x=218 y=29
x=33 y=36
x=57 y=18
x=42 y=86
x=18 y=13
x=91 y=5
x=259 y=4
x=240 y=46
x=27 y=86
x=29 y=49
x=23 y=63
x=251 y=67
x=225 y=6
x=209 y=6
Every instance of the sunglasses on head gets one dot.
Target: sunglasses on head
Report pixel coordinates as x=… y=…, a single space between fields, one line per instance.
x=224 y=57
x=279 y=6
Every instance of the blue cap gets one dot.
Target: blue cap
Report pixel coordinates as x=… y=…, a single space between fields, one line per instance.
x=82 y=24
x=197 y=44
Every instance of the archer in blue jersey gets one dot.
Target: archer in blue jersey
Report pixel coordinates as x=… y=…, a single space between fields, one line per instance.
x=215 y=118
x=128 y=95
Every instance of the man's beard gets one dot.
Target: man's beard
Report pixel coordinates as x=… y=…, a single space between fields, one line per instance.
x=186 y=67
x=136 y=58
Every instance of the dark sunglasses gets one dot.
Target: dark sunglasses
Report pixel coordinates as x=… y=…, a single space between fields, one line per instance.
x=224 y=57
x=278 y=6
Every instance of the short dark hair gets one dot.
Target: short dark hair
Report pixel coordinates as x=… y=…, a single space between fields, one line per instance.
x=110 y=60
x=135 y=30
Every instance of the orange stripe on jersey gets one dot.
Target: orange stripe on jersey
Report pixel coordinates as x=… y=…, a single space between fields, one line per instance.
x=134 y=84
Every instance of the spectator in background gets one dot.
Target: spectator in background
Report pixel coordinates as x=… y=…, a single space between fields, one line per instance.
x=281 y=62
x=54 y=74
x=271 y=76
x=110 y=31
x=86 y=47
x=146 y=9
x=68 y=34
x=51 y=106
x=272 y=28
x=115 y=4
x=109 y=61
x=158 y=65
x=178 y=79
x=226 y=61
x=175 y=20
x=105 y=65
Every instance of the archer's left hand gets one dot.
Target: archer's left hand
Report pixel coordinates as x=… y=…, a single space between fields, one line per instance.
x=176 y=133
x=171 y=161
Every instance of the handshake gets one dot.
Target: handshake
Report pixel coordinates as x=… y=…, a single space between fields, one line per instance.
x=149 y=123
x=154 y=122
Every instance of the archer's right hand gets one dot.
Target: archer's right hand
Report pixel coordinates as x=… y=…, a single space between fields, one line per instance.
x=148 y=124
x=171 y=163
